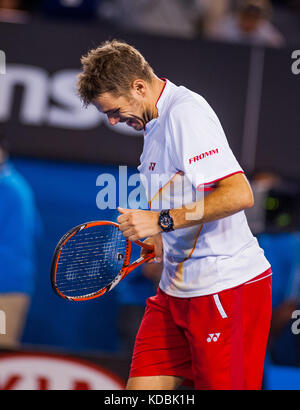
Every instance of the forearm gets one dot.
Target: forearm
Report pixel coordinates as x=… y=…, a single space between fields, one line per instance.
x=230 y=196
x=224 y=201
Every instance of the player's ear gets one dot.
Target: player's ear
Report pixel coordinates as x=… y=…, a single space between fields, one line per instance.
x=139 y=87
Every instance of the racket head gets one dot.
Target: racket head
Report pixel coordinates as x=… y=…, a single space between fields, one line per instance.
x=89 y=260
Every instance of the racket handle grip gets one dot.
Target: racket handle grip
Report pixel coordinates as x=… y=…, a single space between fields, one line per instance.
x=139 y=262
x=148 y=257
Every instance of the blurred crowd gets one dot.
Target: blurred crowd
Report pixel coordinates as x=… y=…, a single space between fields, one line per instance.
x=271 y=23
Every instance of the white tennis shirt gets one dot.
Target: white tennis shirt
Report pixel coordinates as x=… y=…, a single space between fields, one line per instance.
x=185 y=153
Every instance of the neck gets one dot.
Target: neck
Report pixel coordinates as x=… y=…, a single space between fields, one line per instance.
x=158 y=87
x=150 y=111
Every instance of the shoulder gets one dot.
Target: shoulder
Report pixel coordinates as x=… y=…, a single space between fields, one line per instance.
x=191 y=111
x=185 y=101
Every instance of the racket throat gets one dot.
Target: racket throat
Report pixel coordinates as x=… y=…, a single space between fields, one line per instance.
x=138 y=261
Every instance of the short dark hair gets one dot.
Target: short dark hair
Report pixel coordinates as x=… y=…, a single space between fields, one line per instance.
x=111 y=67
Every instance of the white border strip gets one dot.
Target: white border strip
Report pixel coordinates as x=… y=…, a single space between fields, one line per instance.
x=219 y=306
x=256 y=280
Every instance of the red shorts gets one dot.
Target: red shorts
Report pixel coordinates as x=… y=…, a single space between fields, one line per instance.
x=216 y=341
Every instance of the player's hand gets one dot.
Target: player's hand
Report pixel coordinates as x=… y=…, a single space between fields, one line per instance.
x=155 y=241
x=138 y=224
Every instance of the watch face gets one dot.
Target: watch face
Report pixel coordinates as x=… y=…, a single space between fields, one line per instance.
x=165 y=222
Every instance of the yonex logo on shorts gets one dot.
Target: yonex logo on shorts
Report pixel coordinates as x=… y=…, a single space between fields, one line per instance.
x=204 y=155
x=213 y=337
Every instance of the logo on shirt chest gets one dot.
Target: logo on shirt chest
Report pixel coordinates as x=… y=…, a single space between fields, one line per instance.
x=152 y=166
x=204 y=155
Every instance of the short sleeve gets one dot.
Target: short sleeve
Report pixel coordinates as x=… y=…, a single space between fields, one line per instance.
x=198 y=144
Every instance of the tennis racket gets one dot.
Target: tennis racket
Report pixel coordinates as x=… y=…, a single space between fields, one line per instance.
x=91 y=259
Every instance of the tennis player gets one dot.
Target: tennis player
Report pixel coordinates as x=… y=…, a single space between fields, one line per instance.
x=209 y=322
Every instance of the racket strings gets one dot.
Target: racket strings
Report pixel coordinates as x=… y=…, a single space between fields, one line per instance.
x=90 y=260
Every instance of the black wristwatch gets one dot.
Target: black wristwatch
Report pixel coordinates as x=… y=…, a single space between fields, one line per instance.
x=165 y=221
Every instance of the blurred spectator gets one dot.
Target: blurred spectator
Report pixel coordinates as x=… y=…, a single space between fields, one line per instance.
x=275 y=220
x=20 y=226
x=179 y=18
x=13 y=11
x=250 y=24
x=213 y=12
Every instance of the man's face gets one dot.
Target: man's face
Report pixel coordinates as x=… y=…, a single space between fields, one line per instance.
x=131 y=110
